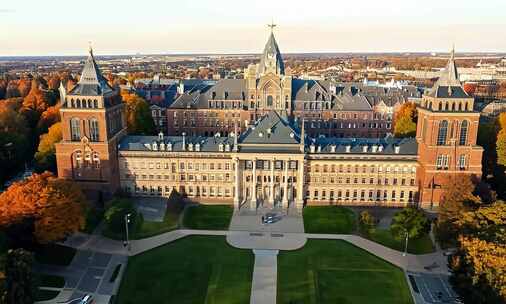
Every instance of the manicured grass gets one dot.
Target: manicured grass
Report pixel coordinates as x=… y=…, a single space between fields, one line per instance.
x=328 y=219
x=329 y=272
x=208 y=217
x=196 y=269
x=45 y=295
x=416 y=246
x=55 y=254
x=47 y=280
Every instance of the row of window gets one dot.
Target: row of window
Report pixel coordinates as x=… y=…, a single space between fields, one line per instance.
x=443 y=162
x=442 y=135
x=86 y=104
x=363 y=180
x=363 y=169
x=75 y=129
x=361 y=195
x=91 y=160
x=172 y=166
x=181 y=177
x=189 y=190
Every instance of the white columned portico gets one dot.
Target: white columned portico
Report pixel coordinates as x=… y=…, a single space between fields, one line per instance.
x=253 y=202
x=271 y=194
x=285 y=191
x=237 y=200
x=299 y=203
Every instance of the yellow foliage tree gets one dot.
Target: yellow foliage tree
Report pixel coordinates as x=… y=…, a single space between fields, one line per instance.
x=501 y=140
x=405 y=120
x=45 y=158
x=56 y=206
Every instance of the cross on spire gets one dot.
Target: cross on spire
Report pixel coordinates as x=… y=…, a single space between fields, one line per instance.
x=272 y=25
x=90 y=48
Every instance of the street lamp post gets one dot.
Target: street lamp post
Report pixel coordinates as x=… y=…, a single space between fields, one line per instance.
x=406 y=246
x=127 y=221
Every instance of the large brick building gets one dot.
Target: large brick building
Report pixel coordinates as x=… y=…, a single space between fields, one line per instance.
x=265 y=156
x=330 y=109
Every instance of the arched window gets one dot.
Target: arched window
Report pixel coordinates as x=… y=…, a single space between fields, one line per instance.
x=93 y=124
x=79 y=103
x=443 y=130
x=430 y=105
x=95 y=103
x=89 y=103
x=453 y=106
x=440 y=106
x=446 y=107
x=463 y=133
x=72 y=103
x=466 y=107
x=460 y=106
x=75 y=129
x=269 y=101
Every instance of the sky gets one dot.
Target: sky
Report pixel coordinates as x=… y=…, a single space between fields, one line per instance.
x=63 y=27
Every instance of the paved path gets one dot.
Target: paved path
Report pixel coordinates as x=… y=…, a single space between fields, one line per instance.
x=265 y=276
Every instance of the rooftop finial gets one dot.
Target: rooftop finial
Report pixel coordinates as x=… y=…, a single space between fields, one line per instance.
x=90 y=48
x=453 y=52
x=272 y=25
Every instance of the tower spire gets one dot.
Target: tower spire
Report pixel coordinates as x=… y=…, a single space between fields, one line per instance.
x=90 y=48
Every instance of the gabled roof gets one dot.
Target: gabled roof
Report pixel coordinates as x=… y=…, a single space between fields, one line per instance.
x=271 y=50
x=270 y=129
x=91 y=83
x=448 y=85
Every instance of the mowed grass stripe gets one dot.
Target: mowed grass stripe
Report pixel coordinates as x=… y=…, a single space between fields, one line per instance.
x=339 y=273
x=191 y=270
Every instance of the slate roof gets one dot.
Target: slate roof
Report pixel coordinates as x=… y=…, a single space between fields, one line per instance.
x=91 y=83
x=271 y=129
x=407 y=146
x=145 y=143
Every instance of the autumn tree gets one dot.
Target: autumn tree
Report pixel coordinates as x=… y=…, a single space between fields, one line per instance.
x=48 y=118
x=54 y=206
x=19 y=277
x=139 y=119
x=14 y=137
x=405 y=120
x=45 y=157
x=458 y=198
x=501 y=140
x=479 y=266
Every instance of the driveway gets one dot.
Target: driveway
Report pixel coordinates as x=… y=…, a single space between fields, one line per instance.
x=89 y=273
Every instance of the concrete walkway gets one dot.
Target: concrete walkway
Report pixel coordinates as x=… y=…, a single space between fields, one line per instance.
x=265 y=276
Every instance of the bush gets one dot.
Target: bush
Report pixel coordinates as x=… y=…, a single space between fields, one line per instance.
x=367 y=221
x=114 y=216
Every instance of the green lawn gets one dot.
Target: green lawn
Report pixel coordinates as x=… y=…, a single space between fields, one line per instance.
x=415 y=246
x=208 y=217
x=328 y=219
x=54 y=254
x=196 y=269
x=329 y=272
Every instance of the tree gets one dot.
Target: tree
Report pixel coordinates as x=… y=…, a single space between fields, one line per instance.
x=45 y=158
x=501 y=140
x=55 y=206
x=19 y=277
x=410 y=220
x=457 y=199
x=405 y=120
x=48 y=118
x=139 y=119
x=36 y=99
x=115 y=215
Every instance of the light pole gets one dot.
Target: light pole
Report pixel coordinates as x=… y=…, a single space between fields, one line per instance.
x=127 y=221
x=406 y=246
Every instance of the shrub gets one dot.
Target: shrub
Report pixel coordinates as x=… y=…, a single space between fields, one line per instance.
x=367 y=221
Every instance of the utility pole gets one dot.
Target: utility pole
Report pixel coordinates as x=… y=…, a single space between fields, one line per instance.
x=127 y=241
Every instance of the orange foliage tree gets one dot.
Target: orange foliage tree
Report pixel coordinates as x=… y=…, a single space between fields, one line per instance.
x=45 y=158
x=56 y=206
x=405 y=120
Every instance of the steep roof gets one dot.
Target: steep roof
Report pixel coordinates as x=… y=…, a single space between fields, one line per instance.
x=271 y=129
x=448 y=85
x=271 y=52
x=91 y=83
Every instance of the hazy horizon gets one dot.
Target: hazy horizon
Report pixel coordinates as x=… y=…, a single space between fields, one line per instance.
x=32 y=28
